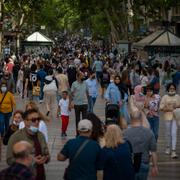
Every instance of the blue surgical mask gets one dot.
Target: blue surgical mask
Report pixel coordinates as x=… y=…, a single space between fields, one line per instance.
x=33 y=129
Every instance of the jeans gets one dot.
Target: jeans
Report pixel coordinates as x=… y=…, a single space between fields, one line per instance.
x=78 y=110
x=91 y=102
x=4 y=122
x=154 y=125
x=143 y=172
x=171 y=134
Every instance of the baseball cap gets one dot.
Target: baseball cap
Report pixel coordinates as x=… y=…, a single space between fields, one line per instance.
x=84 y=125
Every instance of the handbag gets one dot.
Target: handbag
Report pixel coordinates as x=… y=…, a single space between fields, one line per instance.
x=176 y=114
x=66 y=172
x=36 y=91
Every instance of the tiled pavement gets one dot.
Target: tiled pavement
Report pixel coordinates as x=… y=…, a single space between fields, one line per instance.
x=168 y=169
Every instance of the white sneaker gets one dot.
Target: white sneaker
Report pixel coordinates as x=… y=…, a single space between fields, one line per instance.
x=168 y=151
x=174 y=155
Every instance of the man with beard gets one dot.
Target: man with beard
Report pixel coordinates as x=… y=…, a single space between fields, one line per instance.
x=31 y=134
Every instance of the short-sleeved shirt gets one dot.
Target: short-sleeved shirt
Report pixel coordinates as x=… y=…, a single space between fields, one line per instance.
x=86 y=164
x=79 y=91
x=92 y=87
x=98 y=66
x=142 y=141
x=64 y=105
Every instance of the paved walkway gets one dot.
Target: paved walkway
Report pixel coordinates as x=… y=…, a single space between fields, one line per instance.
x=168 y=169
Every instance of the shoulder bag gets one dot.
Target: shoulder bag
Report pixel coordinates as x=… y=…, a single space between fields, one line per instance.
x=66 y=173
x=3 y=98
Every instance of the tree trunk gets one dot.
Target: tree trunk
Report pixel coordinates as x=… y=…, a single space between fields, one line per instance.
x=114 y=32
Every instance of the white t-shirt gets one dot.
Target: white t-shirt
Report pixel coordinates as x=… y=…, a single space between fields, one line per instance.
x=64 y=105
x=42 y=128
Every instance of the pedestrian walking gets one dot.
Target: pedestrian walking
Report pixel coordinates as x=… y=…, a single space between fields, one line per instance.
x=42 y=125
x=17 y=118
x=137 y=102
x=143 y=142
x=168 y=104
x=152 y=102
x=79 y=97
x=7 y=104
x=92 y=91
x=116 y=157
x=63 y=84
x=32 y=135
x=21 y=169
x=83 y=154
x=63 y=112
x=50 y=91
x=41 y=74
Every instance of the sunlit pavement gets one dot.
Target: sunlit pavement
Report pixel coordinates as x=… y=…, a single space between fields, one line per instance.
x=168 y=169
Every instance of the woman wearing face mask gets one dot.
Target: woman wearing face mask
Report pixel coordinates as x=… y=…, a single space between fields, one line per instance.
x=168 y=104
x=7 y=103
x=137 y=102
x=17 y=118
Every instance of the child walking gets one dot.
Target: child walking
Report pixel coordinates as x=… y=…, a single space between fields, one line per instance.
x=63 y=111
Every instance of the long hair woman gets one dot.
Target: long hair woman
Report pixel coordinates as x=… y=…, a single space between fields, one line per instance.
x=116 y=159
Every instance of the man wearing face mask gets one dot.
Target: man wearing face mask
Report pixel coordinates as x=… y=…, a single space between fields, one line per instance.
x=92 y=91
x=31 y=134
x=8 y=78
x=23 y=160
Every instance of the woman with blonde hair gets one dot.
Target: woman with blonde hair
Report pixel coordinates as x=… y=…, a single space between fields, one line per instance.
x=116 y=159
x=42 y=125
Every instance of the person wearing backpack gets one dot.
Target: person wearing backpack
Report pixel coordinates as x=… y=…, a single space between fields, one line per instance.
x=50 y=91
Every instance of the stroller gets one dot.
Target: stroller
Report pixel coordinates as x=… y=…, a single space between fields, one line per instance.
x=111 y=114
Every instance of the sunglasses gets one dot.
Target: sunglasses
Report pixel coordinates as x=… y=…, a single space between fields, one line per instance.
x=35 y=119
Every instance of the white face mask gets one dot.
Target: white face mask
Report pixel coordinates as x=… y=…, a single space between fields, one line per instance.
x=3 y=89
x=33 y=129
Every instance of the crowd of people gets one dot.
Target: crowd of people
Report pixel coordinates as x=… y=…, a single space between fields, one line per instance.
x=136 y=93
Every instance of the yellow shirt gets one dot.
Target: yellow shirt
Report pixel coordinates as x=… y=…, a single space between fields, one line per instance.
x=169 y=101
x=8 y=102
